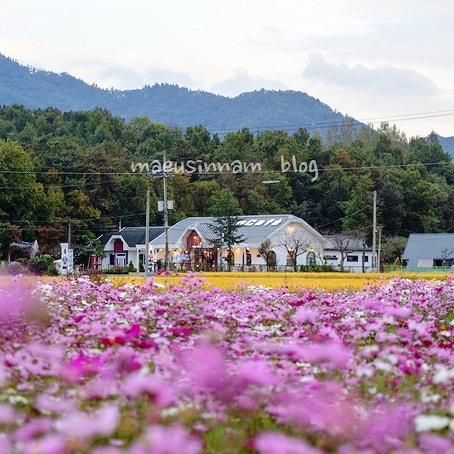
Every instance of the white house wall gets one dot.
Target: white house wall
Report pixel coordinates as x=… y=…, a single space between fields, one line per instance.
x=353 y=267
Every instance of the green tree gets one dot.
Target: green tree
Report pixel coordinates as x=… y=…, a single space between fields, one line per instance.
x=225 y=226
x=226 y=205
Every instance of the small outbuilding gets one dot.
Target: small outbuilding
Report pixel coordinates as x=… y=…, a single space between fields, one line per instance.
x=429 y=251
x=126 y=245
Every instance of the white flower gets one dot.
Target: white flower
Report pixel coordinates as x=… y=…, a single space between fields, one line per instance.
x=431 y=422
x=426 y=397
x=443 y=375
x=382 y=365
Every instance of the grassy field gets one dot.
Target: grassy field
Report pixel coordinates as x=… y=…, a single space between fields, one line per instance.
x=291 y=281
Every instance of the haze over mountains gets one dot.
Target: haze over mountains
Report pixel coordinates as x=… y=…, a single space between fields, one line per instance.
x=170 y=104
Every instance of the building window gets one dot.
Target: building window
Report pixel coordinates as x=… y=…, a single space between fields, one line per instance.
x=310 y=258
x=443 y=262
x=330 y=257
x=118 y=246
x=365 y=258
x=352 y=258
x=248 y=258
x=112 y=259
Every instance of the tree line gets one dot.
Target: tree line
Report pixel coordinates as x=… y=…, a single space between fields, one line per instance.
x=61 y=167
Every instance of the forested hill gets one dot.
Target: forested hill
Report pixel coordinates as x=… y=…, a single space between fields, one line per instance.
x=168 y=104
x=56 y=167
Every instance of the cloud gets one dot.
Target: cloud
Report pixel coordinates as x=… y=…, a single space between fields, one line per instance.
x=242 y=82
x=127 y=78
x=122 y=77
x=388 y=80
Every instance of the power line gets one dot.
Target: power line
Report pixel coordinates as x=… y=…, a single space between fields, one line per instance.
x=49 y=186
x=343 y=217
x=329 y=124
x=325 y=168
x=65 y=221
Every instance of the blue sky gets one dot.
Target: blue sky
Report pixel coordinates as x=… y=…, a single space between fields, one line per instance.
x=370 y=59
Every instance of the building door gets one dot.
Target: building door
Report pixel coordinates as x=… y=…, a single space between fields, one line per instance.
x=310 y=259
x=121 y=260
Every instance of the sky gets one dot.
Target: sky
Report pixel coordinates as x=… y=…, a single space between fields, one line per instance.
x=389 y=60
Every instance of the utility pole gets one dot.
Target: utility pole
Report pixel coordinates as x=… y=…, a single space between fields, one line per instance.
x=147 y=235
x=374 y=234
x=69 y=234
x=119 y=225
x=166 y=212
x=379 y=248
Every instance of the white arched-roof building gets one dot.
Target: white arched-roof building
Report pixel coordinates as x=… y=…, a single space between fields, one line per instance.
x=191 y=243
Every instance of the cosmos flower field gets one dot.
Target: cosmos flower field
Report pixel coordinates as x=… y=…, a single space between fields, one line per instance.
x=86 y=367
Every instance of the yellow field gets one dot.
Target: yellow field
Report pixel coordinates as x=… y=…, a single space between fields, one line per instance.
x=291 y=281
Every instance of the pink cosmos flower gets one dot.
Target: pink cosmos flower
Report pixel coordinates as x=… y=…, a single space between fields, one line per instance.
x=431 y=443
x=99 y=424
x=7 y=414
x=256 y=372
x=387 y=426
x=52 y=404
x=50 y=444
x=278 y=443
x=167 y=440
x=207 y=370
x=331 y=353
x=33 y=429
x=321 y=406
x=137 y=385
x=305 y=315
x=82 y=366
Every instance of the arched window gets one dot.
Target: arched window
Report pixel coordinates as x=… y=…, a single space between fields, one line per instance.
x=118 y=245
x=310 y=258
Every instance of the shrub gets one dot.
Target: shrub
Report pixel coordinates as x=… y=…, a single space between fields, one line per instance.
x=131 y=268
x=317 y=269
x=41 y=264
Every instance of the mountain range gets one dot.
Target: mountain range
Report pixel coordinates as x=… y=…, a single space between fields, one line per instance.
x=173 y=105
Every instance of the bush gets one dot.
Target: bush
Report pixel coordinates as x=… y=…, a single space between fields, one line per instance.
x=317 y=269
x=141 y=268
x=14 y=268
x=131 y=268
x=124 y=270
x=52 y=270
x=41 y=264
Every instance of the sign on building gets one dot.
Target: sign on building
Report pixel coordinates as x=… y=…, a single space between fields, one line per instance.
x=67 y=259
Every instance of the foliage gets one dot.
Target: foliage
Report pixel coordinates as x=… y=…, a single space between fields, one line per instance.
x=41 y=264
x=131 y=267
x=393 y=249
x=60 y=157
x=225 y=231
x=265 y=250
